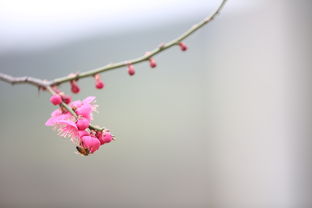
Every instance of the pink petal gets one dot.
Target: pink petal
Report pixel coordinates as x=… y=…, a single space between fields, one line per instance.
x=85 y=111
x=61 y=117
x=89 y=99
x=67 y=129
x=76 y=104
x=56 y=112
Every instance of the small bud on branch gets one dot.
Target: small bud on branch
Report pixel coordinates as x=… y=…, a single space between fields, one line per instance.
x=183 y=47
x=152 y=62
x=131 y=70
x=99 y=84
x=74 y=86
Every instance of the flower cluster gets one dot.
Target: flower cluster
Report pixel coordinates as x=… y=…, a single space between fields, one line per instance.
x=77 y=126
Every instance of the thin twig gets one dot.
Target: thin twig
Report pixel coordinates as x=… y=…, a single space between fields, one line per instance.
x=163 y=47
x=23 y=80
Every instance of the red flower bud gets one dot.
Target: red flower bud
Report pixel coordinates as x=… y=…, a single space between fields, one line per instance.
x=66 y=99
x=55 y=99
x=183 y=47
x=152 y=62
x=99 y=84
x=74 y=86
x=82 y=123
x=131 y=70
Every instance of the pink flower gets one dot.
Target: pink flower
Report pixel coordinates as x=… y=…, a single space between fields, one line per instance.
x=86 y=107
x=90 y=142
x=91 y=101
x=76 y=128
x=76 y=104
x=85 y=111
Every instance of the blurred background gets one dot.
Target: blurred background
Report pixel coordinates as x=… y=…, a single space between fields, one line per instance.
x=226 y=124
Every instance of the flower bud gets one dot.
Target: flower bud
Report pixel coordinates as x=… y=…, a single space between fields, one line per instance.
x=82 y=123
x=91 y=143
x=83 y=133
x=131 y=70
x=183 y=47
x=99 y=84
x=66 y=99
x=104 y=137
x=56 y=99
x=74 y=87
x=152 y=62
x=107 y=137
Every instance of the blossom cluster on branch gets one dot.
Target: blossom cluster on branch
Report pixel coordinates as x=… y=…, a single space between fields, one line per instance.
x=75 y=124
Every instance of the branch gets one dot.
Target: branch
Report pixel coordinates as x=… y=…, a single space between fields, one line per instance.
x=161 y=48
x=23 y=80
x=44 y=84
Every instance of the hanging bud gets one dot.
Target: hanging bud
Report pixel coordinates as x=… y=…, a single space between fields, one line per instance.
x=99 y=84
x=152 y=62
x=55 y=99
x=66 y=99
x=183 y=47
x=131 y=70
x=74 y=86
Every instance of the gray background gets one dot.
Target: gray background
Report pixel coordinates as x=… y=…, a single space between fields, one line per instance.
x=226 y=124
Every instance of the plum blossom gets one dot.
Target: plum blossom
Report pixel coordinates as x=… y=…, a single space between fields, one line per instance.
x=77 y=127
x=85 y=108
